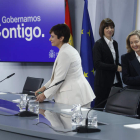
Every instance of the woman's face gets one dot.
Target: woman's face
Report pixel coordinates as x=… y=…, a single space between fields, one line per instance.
x=55 y=41
x=135 y=43
x=108 y=32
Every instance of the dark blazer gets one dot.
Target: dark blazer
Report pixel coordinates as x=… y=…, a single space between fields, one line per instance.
x=130 y=69
x=104 y=64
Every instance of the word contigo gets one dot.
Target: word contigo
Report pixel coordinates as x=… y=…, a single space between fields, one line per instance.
x=21 y=32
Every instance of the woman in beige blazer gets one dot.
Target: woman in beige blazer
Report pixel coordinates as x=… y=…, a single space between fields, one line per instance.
x=67 y=66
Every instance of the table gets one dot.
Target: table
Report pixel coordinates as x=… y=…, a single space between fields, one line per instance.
x=13 y=127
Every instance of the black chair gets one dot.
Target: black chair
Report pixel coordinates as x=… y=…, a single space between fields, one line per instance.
x=123 y=101
x=32 y=84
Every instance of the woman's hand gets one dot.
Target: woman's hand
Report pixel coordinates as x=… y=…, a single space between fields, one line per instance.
x=41 y=97
x=40 y=90
x=119 y=69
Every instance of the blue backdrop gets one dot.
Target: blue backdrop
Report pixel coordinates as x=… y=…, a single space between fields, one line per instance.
x=24 y=29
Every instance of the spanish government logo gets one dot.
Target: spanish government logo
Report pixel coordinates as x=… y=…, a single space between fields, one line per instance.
x=51 y=54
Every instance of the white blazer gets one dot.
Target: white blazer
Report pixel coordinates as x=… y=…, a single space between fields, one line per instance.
x=75 y=89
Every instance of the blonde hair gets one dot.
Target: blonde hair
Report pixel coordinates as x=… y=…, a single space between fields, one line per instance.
x=128 y=47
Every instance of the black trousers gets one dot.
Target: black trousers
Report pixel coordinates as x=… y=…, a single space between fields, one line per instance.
x=102 y=94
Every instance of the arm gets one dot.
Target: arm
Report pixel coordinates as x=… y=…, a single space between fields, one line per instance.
x=126 y=76
x=42 y=89
x=98 y=59
x=119 y=68
x=60 y=72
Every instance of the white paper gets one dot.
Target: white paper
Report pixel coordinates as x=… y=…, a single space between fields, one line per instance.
x=69 y=110
x=46 y=99
x=133 y=126
x=16 y=101
x=2 y=93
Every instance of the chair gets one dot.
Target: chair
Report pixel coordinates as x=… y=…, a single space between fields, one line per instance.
x=123 y=101
x=32 y=84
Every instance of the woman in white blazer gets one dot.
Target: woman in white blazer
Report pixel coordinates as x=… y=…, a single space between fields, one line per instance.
x=67 y=66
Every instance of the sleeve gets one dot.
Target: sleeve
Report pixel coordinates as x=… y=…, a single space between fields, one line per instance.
x=60 y=72
x=47 y=84
x=98 y=59
x=117 y=54
x=127 y=78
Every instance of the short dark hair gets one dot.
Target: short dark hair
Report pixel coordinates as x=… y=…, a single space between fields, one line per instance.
x=105 y=23
x=61 y=30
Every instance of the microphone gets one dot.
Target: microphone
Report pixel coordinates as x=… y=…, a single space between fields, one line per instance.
x=86 y=129
x=7 y=77
x=52 y=85
x=55 y=84
x=27 y=113
x=10 y=75
x=59 y=82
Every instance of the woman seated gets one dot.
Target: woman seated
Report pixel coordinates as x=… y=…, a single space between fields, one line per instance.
x=131 y=62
